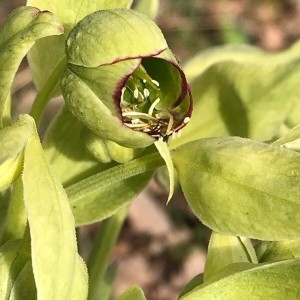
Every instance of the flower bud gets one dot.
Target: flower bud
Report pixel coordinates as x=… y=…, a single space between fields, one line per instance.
x=122 y=81
x=105 y=151
x=96 y=146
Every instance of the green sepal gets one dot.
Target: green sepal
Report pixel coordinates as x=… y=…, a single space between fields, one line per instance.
x=96 y=116
x=125 y=94
x=118 y=30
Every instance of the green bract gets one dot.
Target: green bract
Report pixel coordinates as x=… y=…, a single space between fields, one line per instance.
x=122 y=81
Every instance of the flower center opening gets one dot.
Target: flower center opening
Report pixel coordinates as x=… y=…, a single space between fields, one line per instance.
x=139 y=104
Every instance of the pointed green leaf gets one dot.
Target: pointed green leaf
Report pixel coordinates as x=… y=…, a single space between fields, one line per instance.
x=232 y=183
x=278 y=250
x=48 y=208
x=271 y=281
x=242 y=91
x=290 y=136
x=164 y=151
x=24 y=26
x=134 y=292
x=224 y=250
x=80 y=285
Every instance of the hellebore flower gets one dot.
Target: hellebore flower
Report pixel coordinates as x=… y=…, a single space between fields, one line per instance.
x=122 y=81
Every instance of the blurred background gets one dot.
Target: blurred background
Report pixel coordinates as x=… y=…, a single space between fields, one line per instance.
x=162 y=247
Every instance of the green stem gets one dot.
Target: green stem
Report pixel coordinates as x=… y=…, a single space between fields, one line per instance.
x=137 y=166
x=102 y=248
x=47 y=92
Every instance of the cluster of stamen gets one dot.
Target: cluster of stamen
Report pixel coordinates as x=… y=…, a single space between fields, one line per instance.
x=139 y=104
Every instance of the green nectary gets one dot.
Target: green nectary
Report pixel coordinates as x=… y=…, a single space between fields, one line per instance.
x=140 y=107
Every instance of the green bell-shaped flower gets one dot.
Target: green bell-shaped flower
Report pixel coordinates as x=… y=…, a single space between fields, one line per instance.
x=122 y=81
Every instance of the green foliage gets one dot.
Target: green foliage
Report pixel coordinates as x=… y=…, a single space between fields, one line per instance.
x=224 y=250
x=278 y=250
x=22 y=29
x=237 y=182
x=232 y=271
x=239 y=90
x=125 y=93
x=47 y=54
x=243 y=280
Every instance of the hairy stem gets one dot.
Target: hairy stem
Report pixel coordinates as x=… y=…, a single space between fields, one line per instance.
x=132 y=168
